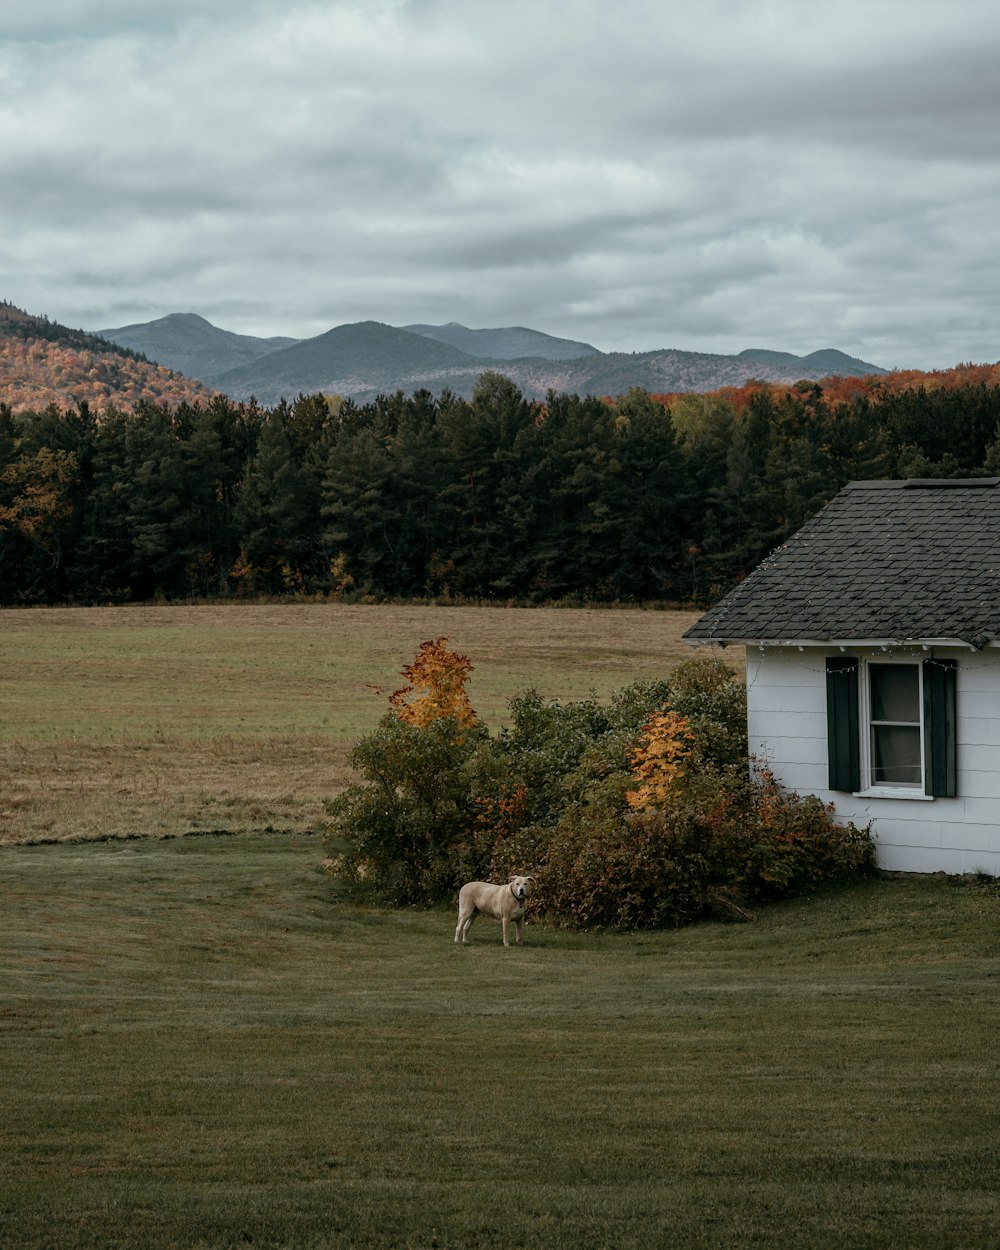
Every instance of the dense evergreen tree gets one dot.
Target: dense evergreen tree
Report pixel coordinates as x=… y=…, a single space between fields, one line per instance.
x=655 y=503
x=278 y=507
x=576 y=533
x=489 y=463
x=359 y=509
x=422 y=469
x=942 y=432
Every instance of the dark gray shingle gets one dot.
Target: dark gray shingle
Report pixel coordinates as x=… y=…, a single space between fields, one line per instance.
x=906 y=561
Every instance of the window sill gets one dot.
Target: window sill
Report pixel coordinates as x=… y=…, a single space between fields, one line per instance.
x=889 y=792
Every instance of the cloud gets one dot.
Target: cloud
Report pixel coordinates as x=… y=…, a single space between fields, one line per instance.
x=638 y=176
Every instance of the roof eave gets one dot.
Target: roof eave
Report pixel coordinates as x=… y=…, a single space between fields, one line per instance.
x=842 y=643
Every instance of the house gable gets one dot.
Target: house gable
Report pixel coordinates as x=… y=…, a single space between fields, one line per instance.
x=889 y=595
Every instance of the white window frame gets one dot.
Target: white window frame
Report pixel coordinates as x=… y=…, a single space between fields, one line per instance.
x=899 y=789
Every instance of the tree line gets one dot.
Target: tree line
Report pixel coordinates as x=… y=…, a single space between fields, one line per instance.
x=494 y=498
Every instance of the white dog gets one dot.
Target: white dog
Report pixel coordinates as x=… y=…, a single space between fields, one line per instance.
x=502 y=902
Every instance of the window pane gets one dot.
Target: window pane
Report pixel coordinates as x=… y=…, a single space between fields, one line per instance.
x=895 y=692
x=896 y=755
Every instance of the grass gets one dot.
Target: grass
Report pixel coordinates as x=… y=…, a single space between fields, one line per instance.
x=167 y=720
x=202 y=1048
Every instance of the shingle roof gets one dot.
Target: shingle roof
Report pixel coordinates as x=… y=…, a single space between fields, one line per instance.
x=905 y=561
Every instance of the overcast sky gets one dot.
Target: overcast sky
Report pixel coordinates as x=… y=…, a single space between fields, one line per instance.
x=711 y=175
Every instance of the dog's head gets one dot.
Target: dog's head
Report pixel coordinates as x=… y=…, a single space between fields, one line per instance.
x=522 y=886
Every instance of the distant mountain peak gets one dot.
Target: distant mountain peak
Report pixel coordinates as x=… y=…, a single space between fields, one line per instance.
x=192 y=345
x=190 y=318
x=505 y=343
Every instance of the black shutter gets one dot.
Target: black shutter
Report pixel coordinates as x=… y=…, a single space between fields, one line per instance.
x=843 y=746
x=940 y=755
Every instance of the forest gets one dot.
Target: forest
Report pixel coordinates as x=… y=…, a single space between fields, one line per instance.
x=640 y=499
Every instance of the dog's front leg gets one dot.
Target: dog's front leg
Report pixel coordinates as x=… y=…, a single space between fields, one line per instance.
x=505 y=921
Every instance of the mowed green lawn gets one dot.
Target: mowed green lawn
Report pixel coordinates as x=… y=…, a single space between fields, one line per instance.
x=202 y=1048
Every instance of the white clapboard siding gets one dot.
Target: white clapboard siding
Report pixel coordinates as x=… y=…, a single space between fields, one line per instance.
x=786 y=713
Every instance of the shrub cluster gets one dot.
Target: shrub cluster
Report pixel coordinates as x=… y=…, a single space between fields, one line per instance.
x=699 y=854
x=639 y=813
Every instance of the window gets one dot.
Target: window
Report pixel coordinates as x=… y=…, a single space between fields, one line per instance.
x=894 y=741
x=891 y=725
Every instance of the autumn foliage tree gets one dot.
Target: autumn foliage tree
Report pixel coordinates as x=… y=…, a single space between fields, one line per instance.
x=406 y=832
x=658 y=760
x=36 y=511
x=436 y=687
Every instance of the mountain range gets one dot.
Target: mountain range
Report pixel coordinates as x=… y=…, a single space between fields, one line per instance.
x=363 y=359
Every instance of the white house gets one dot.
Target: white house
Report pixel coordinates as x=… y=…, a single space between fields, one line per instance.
x=873 y=666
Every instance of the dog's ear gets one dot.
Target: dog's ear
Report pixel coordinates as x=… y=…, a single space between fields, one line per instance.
x=532 y=880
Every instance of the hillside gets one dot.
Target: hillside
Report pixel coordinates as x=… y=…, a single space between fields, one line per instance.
x=43 y=362
x=829 y=360
x=191 y=345
x=613 y=373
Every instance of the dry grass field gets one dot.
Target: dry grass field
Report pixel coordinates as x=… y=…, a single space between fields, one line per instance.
x=156 y=721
